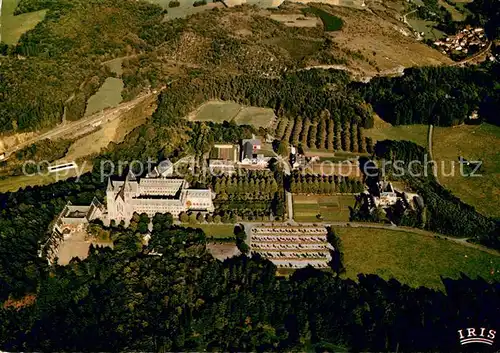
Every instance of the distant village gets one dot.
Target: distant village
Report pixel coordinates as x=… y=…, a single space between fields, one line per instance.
x=468 y=41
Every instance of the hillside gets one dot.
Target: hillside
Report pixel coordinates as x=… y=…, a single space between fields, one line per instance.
x=62 y=56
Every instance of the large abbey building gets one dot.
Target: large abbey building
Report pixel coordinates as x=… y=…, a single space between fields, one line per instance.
x=158 y=192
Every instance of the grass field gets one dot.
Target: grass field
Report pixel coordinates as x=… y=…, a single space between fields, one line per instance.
x=217 y=231
x=331 y=208
x=415 y=133
x=258 y=117
x=12 y=27
x=115 y=66
x=297 y=47
x=217 y=111
x=330 y=22
x=425 y=26
x=15 y=183
x=109 y=95
x=455 y=14
x=416 y=260
x=478 y=142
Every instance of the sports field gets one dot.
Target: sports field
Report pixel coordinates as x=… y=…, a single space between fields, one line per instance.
x=258 y=117
x=413 y=259
x=218 y=112
x=12 y=27
x=474 y=143
x=331 y=208
x=109 y=95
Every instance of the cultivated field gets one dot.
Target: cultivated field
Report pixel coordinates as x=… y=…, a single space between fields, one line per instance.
x=108 y=96
x=477 y=142
x=217 y=111
x=331 y=208
x=343 y=168
x=12 y=27
x=412 y=259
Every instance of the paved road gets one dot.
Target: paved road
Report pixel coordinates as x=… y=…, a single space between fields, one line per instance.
x=430 y=136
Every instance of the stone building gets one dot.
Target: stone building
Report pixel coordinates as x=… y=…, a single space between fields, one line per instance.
x=152 y=195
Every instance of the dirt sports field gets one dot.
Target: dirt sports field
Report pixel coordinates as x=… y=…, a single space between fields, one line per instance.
x=76 y=246
x=332 y=208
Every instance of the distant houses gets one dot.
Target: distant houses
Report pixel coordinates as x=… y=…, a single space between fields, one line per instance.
x=464 y=42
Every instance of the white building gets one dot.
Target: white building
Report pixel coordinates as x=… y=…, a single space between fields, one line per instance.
x=154 y=195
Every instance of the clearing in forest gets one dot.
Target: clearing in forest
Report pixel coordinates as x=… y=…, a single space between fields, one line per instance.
x=108 y=96
x=219 y=112
x=306 y=208
x=473 y=143
x=13 y=27
x=414 y=133
x=76 y=245
x=413 y=259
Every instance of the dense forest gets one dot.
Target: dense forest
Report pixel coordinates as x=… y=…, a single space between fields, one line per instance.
x=129 y=298
x=443 y=96
x=61 y=59
x=485 y=13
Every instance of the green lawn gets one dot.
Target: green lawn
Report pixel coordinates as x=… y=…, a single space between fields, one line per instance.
x=217 y=231
x=473 y=142
x=12 y=27
x=15 y=183
x=331 y=208
x=109 y=95
x=415 y=133
x=425 y=26
x=217 y=111
x=416 y=260
x=258 y=117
